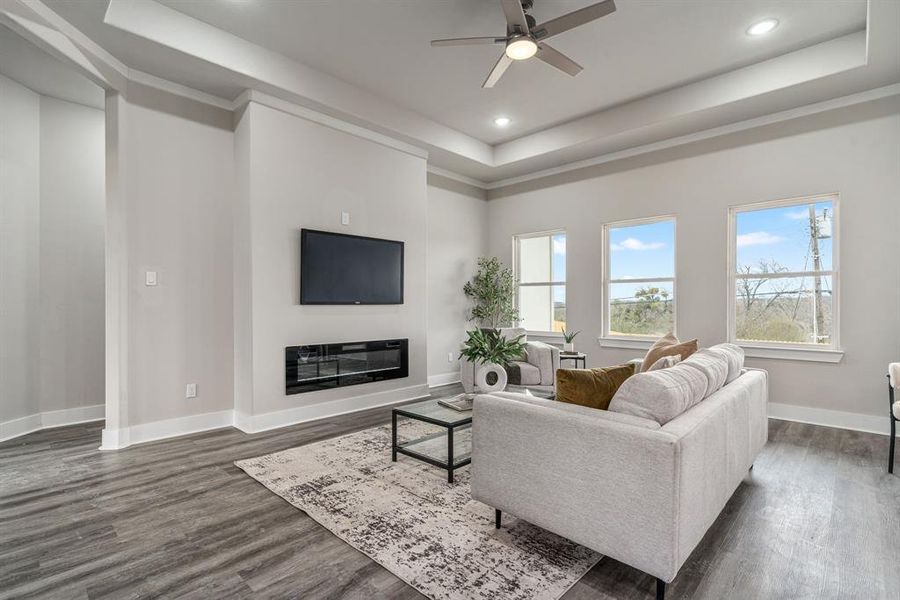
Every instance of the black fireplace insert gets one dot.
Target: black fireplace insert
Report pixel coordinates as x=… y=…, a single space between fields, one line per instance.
x=326 y=366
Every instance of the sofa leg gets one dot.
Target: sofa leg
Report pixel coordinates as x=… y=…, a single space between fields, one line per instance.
x=660 y=589
x=497 y=516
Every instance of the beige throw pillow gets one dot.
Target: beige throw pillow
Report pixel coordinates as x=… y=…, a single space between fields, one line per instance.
x=668 y=345
x=664 y=363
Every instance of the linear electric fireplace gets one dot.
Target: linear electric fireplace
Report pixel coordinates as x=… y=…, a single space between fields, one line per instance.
x=326 y=366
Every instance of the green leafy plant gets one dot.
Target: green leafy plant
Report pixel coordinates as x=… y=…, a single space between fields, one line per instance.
x=569 y=336
x=492 y=290
x=487 y=346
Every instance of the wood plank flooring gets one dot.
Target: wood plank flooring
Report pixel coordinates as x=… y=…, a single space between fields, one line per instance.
x=818 y=517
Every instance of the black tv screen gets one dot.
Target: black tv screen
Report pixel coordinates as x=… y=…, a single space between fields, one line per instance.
x=336 y=268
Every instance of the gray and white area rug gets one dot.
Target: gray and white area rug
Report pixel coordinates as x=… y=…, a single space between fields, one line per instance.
x=405 y=516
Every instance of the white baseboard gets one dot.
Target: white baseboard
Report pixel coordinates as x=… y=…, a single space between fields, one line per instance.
x=330 y=408
x=443 y=379
x=116 y=439
x=54 y=418
x=832 y=418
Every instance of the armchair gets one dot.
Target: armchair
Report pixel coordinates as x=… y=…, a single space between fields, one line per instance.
x=536 y=370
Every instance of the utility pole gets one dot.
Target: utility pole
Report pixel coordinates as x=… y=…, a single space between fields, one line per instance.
x=814 y=233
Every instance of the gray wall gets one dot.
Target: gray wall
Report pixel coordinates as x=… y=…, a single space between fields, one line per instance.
x=302 y=175
x=19 y=249
x=854 y=151
x=457 y=236
x=51 y=254
x=177 y=164
x=71 y=262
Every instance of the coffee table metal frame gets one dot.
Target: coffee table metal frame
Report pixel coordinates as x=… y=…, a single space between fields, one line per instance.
x=449 y=466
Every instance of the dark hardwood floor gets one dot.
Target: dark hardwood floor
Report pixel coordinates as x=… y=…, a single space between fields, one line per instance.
x=818 y=517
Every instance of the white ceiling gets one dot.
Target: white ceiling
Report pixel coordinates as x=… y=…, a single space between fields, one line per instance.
x=30 y=66
x=645 y=47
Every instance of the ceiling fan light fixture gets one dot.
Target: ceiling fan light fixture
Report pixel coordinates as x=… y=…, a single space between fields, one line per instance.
x=521 y=47
x=762 y=27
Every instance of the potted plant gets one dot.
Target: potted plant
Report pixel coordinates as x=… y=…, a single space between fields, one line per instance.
x=489 y=351
x=492 y=289
x=569 y=340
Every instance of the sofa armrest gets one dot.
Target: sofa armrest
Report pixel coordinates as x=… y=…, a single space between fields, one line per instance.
x=607 y=485
x=546 y=358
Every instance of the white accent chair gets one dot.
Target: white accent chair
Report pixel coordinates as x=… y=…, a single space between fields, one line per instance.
x=537 y=371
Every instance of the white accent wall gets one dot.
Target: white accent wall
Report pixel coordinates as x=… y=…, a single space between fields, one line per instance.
x=457 y=236
x=295 y=173
x=854 y=151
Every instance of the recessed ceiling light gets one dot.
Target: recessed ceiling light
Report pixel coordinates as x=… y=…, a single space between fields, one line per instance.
x=520 y=48
x=763 y=27
x=501 y=121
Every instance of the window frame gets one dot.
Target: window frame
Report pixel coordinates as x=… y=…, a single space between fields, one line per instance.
x=631 y=340
x=788 y=350
x=516 y=261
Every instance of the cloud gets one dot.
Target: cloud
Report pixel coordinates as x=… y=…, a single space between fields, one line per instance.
x=636 y=244
x=559 y=245
x=797 y=215
x=758 y=238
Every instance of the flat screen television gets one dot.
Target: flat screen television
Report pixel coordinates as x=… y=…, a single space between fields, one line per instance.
x=337 y=268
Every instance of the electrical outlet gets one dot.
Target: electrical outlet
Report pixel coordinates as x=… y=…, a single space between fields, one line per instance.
x=150 y=278
x=345 y=218
x=450 y=357
x=190 y=391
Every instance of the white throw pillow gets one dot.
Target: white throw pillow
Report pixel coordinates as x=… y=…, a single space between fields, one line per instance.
x=664 y=363
x=734 y=355
x=660 y=395
x=712 y=365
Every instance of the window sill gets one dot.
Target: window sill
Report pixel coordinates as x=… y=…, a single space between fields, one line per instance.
x=786 y=353
x=627 y=343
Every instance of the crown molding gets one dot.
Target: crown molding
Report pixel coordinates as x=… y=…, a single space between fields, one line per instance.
x=778 y=117
x=177 y=89
x=457 y=177
x=309 y=114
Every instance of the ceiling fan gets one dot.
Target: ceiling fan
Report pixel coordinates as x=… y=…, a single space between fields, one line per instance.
x=524 y=38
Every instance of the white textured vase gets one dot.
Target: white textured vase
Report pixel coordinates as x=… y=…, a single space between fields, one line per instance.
x=569 y=347
x=481 y=384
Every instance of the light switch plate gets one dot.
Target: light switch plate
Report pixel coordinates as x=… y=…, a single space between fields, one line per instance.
x=190 y=390
x=150 y=278
x=345 y=218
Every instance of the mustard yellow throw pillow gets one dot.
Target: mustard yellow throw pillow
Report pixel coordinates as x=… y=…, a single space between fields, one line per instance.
x=593 y=388
x=668 y=345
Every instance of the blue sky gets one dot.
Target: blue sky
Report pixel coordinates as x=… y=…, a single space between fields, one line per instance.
x=641 y=251
x=782 y=235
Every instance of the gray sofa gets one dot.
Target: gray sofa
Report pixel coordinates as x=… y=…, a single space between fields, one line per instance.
x=622 y=485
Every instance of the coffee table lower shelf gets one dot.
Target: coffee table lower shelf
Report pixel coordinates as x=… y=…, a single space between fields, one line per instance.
x=432 y=449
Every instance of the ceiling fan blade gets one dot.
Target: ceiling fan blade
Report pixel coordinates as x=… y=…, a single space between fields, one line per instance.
x=555 y=58
x=468 y=41
x=497 y=72
x=515 y=16
x=573 y=19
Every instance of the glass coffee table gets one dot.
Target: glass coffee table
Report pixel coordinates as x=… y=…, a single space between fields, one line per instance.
x=449 y=447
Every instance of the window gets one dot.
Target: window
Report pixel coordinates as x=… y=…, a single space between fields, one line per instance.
x=540 y=267
x=783 y=283
x=639 y=278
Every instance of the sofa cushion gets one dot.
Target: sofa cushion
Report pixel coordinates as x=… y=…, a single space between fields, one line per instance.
x=734 y=355
x=660 y=395
x=519 y=372
x=593 y=388
x=713 y=366
x=668 y=345
x=582 y=411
